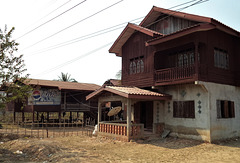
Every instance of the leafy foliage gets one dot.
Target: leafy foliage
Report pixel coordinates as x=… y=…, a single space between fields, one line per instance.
x=11 y=70
x=66 y=78
x=119 y=75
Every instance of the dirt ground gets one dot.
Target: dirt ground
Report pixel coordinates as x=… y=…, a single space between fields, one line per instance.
x=92 y=149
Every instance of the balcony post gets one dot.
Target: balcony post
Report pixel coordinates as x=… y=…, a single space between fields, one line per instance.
x=99 y=114
x=128 y=118
x=196 y=60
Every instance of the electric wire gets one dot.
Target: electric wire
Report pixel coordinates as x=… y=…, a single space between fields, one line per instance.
x=49 y=13
x=74 y=24
x=52 y=19
x=81 y=38
x=75 y=59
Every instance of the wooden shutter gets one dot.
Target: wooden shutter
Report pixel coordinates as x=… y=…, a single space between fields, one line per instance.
x=175 y=109
x=226 y=113
x=232 y=109
x=191 y=109
x=219 y=115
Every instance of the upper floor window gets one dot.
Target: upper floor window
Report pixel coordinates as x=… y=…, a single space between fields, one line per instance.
x=136 y=65
x=221 y=58
x=185 y=58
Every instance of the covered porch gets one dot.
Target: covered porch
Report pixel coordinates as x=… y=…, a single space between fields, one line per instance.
x=134 y=116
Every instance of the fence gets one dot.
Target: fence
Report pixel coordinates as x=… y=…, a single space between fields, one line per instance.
x=46 y=130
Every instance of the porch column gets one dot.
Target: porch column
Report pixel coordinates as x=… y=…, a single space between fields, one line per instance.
x=196 y=60
x=33 y=117
x=99 y=114
x=59 y=117
x=129 y=108
x=65 y=100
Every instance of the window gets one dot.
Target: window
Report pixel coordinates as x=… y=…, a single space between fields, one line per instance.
x=185 y=58
x=136 y=65
x=221 y=59
x=225 y=109
x=131 y=68
x=142 y=65
x=183 y=109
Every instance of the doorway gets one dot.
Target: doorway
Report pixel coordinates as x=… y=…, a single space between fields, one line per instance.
x=143 y=113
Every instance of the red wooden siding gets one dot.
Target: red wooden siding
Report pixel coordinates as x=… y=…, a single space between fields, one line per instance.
x=134 y=48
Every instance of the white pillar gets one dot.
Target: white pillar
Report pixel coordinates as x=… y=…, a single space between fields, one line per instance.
x=99 y=114
x=129 y=108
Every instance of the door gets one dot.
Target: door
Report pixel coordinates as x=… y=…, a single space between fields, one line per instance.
x=143 y=113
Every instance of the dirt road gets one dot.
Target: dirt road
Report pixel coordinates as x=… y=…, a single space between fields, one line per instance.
x=86 y=149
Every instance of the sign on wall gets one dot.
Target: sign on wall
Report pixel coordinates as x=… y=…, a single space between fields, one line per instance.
x=45 y=97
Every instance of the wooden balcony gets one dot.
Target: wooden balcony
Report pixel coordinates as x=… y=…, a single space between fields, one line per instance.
x=175 y=75
x=118 y=130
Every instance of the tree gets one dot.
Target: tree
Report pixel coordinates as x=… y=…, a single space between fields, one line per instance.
x=12 y=81
x=119 y=75
x=66 y=78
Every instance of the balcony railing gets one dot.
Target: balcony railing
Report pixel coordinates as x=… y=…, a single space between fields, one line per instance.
x=174 y=74
x=120 y=128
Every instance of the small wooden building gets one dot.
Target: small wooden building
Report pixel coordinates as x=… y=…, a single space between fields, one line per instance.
x=192 y=58
x=56 y=97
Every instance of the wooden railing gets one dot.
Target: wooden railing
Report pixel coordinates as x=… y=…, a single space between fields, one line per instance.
x=176 y=73
x=121 y=129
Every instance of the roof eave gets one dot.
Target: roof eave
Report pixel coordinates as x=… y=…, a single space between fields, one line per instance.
x=126 y=34
x=196 y=28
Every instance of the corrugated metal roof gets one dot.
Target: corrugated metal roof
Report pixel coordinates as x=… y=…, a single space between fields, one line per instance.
x=131 y=92
x=63 y=85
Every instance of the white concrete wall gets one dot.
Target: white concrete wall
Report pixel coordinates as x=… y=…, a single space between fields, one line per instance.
x=224 y=127
x=196 y=128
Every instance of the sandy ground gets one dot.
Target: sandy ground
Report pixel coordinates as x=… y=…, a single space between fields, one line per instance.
x=86 y=149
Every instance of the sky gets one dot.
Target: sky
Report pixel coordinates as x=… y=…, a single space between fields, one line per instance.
x=74 y=36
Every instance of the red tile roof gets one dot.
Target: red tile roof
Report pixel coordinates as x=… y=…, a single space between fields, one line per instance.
x=131 y=92
x=64 y=85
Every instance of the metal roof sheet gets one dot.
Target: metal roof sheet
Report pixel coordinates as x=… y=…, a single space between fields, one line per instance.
x=63 y=85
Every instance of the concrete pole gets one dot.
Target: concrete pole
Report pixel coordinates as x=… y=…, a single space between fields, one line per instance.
x=99 y=114
x=129 y=108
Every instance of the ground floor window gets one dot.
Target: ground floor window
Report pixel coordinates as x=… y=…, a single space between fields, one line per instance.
x=225 y=109
x=183 y=109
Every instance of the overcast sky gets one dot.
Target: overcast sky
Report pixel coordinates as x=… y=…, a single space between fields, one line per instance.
x=55 y=38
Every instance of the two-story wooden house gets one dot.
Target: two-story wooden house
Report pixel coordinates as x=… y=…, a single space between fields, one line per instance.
x=190 y=58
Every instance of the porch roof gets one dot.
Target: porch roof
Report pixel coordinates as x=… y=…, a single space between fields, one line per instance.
x=130 y=92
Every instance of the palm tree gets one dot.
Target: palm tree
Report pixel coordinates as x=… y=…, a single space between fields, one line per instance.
x=66 y=78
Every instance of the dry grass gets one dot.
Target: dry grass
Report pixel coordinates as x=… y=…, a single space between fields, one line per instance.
x=86 y=149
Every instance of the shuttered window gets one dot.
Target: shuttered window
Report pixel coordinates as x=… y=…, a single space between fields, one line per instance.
x=225 y=109
x=221 y=58
x=183 y=109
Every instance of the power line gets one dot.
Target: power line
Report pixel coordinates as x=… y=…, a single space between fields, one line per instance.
x=75 y=59
x=74 y=24
x=49 y=13
x=81 y=38
x=51 y=19
x=173 y=12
